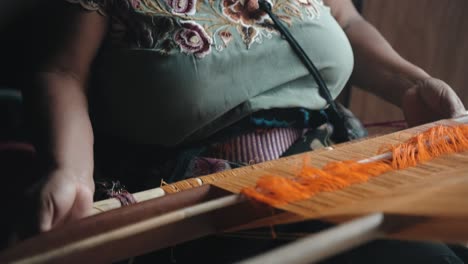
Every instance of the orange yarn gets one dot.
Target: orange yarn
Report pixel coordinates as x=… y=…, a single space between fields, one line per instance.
x=309 y=181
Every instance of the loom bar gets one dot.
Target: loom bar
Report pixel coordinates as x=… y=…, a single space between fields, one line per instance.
x=112 y=203
x=324 y=244
x=133 y=229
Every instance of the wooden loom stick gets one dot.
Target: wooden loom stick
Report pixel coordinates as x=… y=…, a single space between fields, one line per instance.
x=112 y=203
x=60 y=245
x=324 y=244
x=317 y=247
x=133 y=229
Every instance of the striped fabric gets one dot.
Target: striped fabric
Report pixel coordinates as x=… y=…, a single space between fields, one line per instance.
x=258 y=146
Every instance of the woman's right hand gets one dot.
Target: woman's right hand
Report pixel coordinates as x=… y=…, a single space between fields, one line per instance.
x=63 y=197
x=431 y=100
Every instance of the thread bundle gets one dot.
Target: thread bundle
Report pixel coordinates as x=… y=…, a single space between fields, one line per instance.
x=309 y=181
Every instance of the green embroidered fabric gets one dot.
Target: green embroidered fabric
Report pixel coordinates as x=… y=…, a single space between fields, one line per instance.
x=173 y=71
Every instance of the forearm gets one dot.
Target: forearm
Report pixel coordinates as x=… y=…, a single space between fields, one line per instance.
x=61 y=124
x=378 y=68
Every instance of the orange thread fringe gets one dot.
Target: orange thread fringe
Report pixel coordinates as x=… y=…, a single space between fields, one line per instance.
x=309 y=181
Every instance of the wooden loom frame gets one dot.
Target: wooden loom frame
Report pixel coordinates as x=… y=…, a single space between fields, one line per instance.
x=135 y=230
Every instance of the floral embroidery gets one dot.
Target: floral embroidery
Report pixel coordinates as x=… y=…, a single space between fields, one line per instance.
x=240 y=12
x=310 y=7
x=135 y=3
x=226 y=36
x=183 y=6
x=250 y=20
x=194 y=26
x=192 y=38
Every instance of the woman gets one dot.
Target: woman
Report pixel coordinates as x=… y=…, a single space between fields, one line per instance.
x=170 y=75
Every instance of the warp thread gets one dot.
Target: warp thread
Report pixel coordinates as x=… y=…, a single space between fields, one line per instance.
x=125 y=198
x=309 y=181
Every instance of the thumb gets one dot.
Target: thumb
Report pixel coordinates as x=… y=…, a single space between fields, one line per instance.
x=45 y=213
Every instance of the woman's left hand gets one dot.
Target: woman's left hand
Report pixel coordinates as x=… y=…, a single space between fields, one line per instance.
x=431 y=100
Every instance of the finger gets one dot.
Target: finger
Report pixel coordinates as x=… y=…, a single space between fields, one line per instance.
x=457 y=107
x=46 y=213
x=442 y=98
x=415 y=109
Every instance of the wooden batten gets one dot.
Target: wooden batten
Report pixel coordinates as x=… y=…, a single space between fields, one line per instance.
x=53 y=246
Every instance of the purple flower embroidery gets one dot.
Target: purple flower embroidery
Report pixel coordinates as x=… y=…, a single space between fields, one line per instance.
x=136 y=4
x=183 y=6
x=250 y=19
x=193 y=39
x=243 y=12
x=225 y=36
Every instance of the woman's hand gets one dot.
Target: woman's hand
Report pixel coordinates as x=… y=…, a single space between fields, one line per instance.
x=63 y=197
x=380 y=70
x=430 y=100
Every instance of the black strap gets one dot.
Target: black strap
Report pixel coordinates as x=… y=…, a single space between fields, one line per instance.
x=342 y=131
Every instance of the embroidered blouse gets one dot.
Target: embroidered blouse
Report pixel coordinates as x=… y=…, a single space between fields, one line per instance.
x=173 y=71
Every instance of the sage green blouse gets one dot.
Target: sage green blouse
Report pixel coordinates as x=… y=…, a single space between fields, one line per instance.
x=173 y=71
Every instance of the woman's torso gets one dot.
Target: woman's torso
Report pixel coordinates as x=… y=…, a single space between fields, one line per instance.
x=179 y=70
